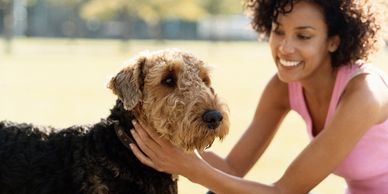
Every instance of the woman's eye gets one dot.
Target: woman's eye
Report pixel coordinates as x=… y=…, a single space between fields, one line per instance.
x=303 y=37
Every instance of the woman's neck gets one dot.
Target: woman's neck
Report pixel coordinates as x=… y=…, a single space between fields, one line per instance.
x=318 y=88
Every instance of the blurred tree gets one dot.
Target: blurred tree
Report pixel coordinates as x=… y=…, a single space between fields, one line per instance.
x=6 y=7
x=216 y=8
x=72 y=24
x=7 y=20
x=222 y=7
x=153 y=12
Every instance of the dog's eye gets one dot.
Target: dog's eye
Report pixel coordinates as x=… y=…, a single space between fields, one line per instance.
x=169 y=81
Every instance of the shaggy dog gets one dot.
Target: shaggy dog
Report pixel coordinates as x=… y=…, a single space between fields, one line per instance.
x=169 y=90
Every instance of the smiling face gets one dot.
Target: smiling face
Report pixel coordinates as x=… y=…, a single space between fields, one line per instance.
x=299 y=43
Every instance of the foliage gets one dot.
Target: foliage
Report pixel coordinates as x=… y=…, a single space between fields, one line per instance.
x=222 y=7
x=153 y=11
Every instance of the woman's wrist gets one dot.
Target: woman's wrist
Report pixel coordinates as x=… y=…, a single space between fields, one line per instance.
x=196 y=170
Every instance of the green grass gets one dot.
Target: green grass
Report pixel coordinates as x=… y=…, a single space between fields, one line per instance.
x=62 y=83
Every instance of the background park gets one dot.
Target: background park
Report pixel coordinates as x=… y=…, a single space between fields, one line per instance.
x=57 y=55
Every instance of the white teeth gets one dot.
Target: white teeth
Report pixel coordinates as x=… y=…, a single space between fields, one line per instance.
x=289 y=63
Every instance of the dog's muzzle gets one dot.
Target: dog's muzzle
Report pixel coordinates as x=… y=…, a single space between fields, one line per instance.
x=212 y=118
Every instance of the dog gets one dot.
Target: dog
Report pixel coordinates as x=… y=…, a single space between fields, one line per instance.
x=169 y=90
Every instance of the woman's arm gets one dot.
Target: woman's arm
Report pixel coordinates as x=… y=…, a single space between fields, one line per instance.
x=165 y=157
x=270 y=112
x=362 y=105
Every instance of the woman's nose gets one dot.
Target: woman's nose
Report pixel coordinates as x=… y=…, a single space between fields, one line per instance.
x=286 y=46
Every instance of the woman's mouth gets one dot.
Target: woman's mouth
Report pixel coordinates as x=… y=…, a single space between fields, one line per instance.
x=289 y=63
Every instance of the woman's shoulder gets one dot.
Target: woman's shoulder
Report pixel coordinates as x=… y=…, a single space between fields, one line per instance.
x=277 y=86
x=369 y=86
x=276 y=91
x=365 y=75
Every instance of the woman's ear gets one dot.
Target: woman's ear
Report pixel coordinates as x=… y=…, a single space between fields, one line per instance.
x=334 y=43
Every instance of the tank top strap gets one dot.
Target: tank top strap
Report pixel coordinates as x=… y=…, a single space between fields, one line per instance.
x=297 y=103
x=295 y=96
x=344 y=75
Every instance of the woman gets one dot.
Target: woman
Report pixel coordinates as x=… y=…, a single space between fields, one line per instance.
x=318 y=47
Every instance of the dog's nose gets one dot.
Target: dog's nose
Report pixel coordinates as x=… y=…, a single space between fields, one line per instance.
x=212 y=118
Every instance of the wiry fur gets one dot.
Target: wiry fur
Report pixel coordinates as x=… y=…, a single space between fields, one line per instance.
x=91 y=159
x=175 y=112
x=79 y=159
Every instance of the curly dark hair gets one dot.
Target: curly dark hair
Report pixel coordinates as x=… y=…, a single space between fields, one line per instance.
x=354 y=21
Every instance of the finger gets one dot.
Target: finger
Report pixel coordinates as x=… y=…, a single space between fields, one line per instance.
x=151 y=133
x=147 y=132
x=139 y=155
x=144 y=145
x=199 y=153
x=147 y=139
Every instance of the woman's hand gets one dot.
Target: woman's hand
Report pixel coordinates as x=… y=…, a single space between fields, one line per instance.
x=163 y=156
x=160 y=154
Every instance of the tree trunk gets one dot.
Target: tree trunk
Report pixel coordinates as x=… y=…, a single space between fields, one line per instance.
x=8 y=26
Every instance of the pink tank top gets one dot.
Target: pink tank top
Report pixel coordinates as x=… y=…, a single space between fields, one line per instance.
x=365 y=169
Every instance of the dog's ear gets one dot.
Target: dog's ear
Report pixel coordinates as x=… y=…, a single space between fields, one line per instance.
x=128 y=83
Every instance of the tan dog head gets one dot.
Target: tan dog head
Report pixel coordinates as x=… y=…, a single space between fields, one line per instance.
x=170 y=91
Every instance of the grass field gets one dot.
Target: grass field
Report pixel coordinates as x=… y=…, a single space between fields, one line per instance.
x=62 y=82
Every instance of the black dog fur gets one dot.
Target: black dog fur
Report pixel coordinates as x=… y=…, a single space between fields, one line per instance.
x=78 y=159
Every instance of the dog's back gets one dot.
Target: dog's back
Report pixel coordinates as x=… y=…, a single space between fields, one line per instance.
x=79 y=159
x=30 y=160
